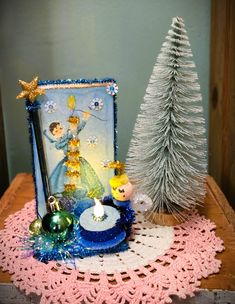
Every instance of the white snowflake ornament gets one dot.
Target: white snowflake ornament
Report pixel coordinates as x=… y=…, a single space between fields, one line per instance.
x=112 y=89
x=105 y=163
x=92 y=141
x=141 y=202
x=50 y=106
x=96 y=104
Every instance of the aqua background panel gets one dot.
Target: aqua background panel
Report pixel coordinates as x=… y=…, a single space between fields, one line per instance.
x=104 y=38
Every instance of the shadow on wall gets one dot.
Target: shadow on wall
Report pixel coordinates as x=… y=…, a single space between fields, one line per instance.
x=4 y=182
x=26 y=51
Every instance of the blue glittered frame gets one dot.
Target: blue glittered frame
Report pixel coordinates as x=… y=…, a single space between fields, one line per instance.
x=36 y=105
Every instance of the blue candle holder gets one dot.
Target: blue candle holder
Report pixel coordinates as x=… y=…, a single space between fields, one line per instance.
x=101 y=234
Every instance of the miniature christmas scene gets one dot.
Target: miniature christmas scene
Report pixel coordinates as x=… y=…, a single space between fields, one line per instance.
x=101 y=230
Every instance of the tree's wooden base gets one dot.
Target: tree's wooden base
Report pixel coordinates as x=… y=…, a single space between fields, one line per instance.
x=163 y=219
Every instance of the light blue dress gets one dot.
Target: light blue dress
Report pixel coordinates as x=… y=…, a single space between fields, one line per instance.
x=90 y=182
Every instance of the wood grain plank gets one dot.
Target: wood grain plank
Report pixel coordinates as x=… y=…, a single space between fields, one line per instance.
x=222 y=97
x=19 y=188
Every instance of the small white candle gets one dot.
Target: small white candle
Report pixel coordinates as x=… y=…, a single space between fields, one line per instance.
x=98 y=209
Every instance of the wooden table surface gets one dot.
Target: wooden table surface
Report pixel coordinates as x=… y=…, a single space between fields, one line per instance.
x=215 y=208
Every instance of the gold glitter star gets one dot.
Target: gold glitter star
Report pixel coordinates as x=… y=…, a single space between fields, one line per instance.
x=30 y=90
x=120 y=167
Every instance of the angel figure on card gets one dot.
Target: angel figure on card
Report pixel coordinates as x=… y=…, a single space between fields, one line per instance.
x=81 y=178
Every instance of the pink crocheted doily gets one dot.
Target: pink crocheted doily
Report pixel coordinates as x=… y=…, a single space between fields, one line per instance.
x=177 y=271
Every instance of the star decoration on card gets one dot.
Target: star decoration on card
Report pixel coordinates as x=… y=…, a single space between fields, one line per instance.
x=30 y=90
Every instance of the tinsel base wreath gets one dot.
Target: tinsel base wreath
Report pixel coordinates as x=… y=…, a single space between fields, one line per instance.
x=151 y=271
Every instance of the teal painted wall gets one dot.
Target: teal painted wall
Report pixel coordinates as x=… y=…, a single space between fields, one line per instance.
x=75 y=38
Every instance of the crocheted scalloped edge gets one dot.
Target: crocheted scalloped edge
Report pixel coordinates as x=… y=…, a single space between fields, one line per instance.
x=177 y=272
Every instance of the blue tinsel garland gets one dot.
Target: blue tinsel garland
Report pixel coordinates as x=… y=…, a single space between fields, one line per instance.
x=46 y=248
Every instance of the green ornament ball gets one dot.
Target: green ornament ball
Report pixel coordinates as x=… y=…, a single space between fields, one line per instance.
x=58 y=224
x=35 y=227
